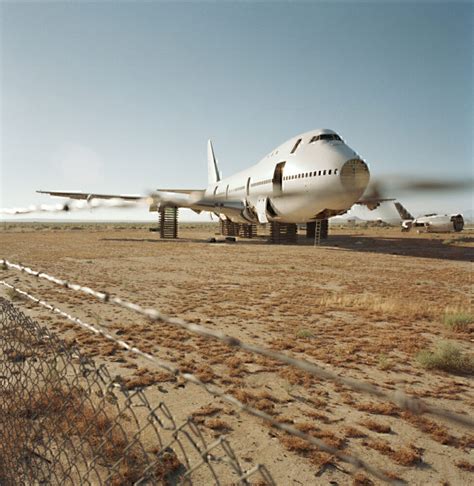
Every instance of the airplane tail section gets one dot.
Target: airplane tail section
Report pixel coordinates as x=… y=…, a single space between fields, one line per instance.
x=213 y=173
x=404 y=214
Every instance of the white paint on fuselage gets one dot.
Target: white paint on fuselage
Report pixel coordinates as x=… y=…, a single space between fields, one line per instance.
x=301 y=198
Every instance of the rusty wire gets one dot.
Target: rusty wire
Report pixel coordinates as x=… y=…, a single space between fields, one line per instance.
x=399 y=398
x=65 y=420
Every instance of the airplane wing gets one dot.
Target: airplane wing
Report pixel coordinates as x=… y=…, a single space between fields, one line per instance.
x=180 y=191
x=373 y=202
x=91 y=195
x=182 y=198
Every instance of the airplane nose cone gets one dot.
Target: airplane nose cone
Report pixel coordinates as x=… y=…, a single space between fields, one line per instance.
x=355 y=176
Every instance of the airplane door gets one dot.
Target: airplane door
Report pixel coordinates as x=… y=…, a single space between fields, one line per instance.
x=278 y=178
x=262 y=209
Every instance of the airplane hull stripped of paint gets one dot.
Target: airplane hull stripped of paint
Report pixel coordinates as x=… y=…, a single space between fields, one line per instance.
x=312 y=176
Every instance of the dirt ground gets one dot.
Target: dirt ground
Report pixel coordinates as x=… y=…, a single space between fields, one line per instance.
x=364 y=304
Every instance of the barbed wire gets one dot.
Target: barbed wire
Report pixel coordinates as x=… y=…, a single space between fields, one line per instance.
x=211 y=389
x=78 y=206
x=399 y=398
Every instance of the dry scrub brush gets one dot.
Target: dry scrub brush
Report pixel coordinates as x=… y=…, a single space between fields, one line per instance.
x=447 y=356
x=458 y=320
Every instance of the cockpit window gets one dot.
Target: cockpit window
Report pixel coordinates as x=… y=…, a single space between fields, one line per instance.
x=295 y=146
x=325 y=136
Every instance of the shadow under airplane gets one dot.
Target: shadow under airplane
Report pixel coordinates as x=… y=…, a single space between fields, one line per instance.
x=442 y=249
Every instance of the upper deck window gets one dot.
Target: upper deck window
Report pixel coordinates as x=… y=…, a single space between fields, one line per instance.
x=326 y=136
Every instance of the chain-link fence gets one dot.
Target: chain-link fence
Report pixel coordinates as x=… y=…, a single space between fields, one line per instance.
x=64 y=420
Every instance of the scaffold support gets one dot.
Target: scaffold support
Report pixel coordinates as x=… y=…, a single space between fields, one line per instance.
x=281 y=233
x=168 y=220
x=248 y=230
x=228 y=228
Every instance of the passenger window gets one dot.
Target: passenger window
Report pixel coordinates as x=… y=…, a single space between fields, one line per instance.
x=319 y=173
x=329 y=171
x=324 y=172
x=335 y=171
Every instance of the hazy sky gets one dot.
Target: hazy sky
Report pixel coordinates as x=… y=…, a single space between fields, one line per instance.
x=121 y=97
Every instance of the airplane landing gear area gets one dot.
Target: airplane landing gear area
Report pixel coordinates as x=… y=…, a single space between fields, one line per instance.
x=279 y=233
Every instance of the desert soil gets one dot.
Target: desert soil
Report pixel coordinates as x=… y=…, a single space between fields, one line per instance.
x=363 y=304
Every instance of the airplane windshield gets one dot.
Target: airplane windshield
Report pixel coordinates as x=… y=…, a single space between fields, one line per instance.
x=326 y=136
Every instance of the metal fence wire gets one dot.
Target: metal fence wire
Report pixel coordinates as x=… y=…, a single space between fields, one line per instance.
x=64 y=420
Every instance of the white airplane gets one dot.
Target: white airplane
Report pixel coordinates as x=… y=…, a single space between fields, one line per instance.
x=430 y=223
x=312 y=176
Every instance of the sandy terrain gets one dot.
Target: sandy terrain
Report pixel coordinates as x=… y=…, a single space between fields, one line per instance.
x=364 y=304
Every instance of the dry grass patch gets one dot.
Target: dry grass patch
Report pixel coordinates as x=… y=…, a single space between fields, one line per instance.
x=383 y=306
x=384 y=363
x=378 y=408
x=304 y=334
x=296 y=444
x=438 y=432
x=206 y=411
x=353 y=433
x=405 y=456
x=465 y=465
x=144 y=379
x=218 y=425
x=360 y=479
x=458 y=321
x=376 y=426
x=446 y=356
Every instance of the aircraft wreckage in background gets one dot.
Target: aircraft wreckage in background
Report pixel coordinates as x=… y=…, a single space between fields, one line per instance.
x=430 y=223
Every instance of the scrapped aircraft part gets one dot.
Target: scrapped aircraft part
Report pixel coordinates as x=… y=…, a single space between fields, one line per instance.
x=283 y=233
x=277 y=180
x=458 y=222
x=271 y=211
x=262 y=209
x=168 y=222
x=403 y=212
x=213 y=173
x=406 y=225
x=323 y=229
x=248 y=213
x=355 y=176
x=433 y=223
